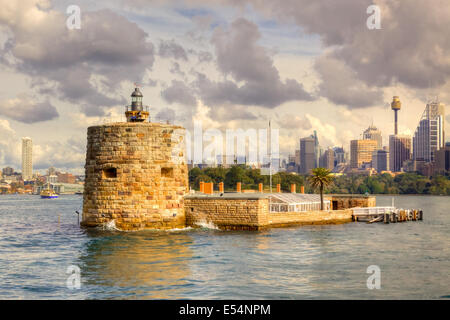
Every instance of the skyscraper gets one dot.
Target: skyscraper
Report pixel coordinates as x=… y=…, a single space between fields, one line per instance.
x=399 y=151
x=297 y=160
x=380 y=160
x=339 y=155
x=307 y=154
x=372 y=133
x=327 y=159
x=361 y=152
x=429 y=136
x=443 y=159
x=27 y=159
x=316 y=149
x=8 y=171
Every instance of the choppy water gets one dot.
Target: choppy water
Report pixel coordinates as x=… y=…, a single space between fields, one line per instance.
x=40 y=239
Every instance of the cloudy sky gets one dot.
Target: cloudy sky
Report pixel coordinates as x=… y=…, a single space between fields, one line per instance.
x=307 y=65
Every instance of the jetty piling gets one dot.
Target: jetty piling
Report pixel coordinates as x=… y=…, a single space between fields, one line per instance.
x=386 y=214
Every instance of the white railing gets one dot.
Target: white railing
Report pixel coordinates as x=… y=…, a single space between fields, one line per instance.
x=298 y=207
x=373 y=210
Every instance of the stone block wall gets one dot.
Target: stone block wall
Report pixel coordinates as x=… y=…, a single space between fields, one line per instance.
x=228 y=214
x=284 y=219
x=252 y=213
x=136 y=175
x=341 y=202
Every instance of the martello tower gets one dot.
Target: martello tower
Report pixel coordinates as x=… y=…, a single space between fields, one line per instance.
x=136 y=173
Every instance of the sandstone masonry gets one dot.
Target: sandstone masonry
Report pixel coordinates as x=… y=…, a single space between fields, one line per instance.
x=136 y=175
x=236 y=211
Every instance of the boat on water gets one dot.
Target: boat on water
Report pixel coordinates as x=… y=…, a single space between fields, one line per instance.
x=48 y=194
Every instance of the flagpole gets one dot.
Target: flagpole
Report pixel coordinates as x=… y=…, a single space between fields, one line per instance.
x=270 y=167
x=270 y=157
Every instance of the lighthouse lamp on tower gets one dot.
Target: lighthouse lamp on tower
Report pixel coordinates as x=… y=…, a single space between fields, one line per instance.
x=135 y=112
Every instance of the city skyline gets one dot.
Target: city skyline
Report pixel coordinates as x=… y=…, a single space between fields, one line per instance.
x=230 y=65
x=318 y=156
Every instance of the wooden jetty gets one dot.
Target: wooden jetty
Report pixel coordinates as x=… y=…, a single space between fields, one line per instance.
x=386 y=214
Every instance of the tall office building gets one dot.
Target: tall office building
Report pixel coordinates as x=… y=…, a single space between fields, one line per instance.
x=372 y=133
x=27 y=159
x=361 y=152
x=443 y=159
x=429 y=136
x=327 y=159
x=297 y=157
x=8 y=171
x=380 y=160
x=399 y=151
x=307 y=154
x=339 y=156
x=317 y=150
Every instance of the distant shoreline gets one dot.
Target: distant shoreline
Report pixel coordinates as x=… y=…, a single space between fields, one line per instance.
x=325 y=194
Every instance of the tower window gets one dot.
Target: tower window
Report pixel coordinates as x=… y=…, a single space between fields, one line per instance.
x=109 y=173
x=167 y=172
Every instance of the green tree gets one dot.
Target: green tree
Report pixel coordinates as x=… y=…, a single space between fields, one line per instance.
x=236 y=174
x=405 y=183
x=202 y=177
x=216 y=174
x=320 y=178
x=287 y=179
x=193 y=174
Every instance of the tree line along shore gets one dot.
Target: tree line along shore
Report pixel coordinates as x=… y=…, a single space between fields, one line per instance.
x=405 y=183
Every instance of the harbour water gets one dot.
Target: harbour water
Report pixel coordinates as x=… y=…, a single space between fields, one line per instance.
x=40 y=239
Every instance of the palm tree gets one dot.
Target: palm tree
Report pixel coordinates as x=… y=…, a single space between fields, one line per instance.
x=320 y=178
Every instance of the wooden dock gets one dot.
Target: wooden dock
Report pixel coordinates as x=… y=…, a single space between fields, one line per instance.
x=386 y=215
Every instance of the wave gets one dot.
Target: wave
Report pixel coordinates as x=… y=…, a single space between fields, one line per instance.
x=178 y=229
x=207 y=225
x=109 y=226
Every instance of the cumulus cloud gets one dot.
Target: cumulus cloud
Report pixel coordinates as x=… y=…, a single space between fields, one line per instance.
x=411 y=48
x=341 y=86
x=179 y=92
x=240 y=56
x=9 y=149
x=25 y=109
x=68 y=62
x=291 y=121
x=171 y=49
x=68 y=154
x=251 y=77
x=205 y=56
x=166 y=114
x=230 y=113
x=303 y=126
x=176 y=69
x=264 y=94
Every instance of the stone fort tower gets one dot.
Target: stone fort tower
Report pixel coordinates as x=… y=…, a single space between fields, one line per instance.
x=136 y=173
